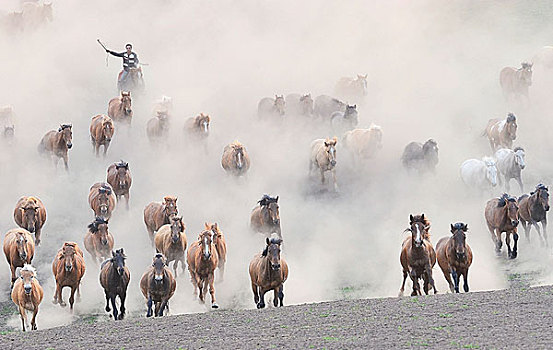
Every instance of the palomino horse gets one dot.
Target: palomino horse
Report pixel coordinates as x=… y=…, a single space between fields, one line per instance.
x=68 y=268
x=170 y=240
x=158 y=286
x=363 y=143
x=101 y=132
x=202 y=259
x=115 y=278
x=501 y=133
x=479 y=174
x=27 y=294
x=159 y=214
x=299 y=105
x=98 y=241
x=30 y=214
x=235 y=160
x=515 y=82
x=57 y=143
x=323 y=157
x=420 y=157
x=417 y=258
x=455 y=257
x=120 y=109
x=120 y=179
x=157 y=127
x=502 y=216
x=102 y=200
x=346 y=120
x=220 y=247
x=270 y=108
x=268 y=271
x=326 y=105
x=510 y=164
x=265 y=218
x=533 y=209
x=19 y=249
x=352 y=88
x=198 y=127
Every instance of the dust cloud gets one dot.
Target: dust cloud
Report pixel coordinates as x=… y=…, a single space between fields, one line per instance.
x=433 y=73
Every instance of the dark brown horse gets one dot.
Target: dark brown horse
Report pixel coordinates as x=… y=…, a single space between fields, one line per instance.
x=68 y=268
x=501 y=133
x=120 y=108
x=265 y=218
x=120 y=179
x=533 y=209
x=98 y=241
x=115 y=278
x=27 y=294
x=159 y=214
x=515 y=82
x=220 y=247
x=455 y=257
x=30 y=214
x=502 y=216
x=158 y=286
x=56 y=144
x=19 y=249
x=102 y=199
x=202 y=259
x=170 y=240
x=101 y=132
x=268 y=271
x=417 y=259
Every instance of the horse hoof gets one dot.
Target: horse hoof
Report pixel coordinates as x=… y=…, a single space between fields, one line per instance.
x=54 y=301
x=214 y=306
x=260 y=306
x=63 y=304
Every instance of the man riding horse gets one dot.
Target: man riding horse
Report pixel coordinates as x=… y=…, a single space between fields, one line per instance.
x=130 y=61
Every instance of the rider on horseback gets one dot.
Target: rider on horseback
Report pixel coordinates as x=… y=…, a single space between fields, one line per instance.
x=130 y=60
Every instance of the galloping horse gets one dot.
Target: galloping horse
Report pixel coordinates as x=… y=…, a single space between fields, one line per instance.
x=202 y=259
x=502 y=216
x=363 y=143
x=120 y=109
x=510 y=164
x=501 y=133
x=120 y=179
x=265 y=218
x=271 y=107
x=299 y=105
x=323 y=157
x=68 y=268
x=30 y=214
x=235 y=160
x=352 y=88
x=533 y=209
x=27 y=294
x=455 y=257
x=115 y=278
x=420 y=157
x=159 y=214
x=515 y=82
x=170 y=240
x=158 y=286
x=101 y=132
x=198 y=126
x=157 y=127
x=220 y=247
x=326 y=105
x=479 y=174
x=102 y=200
x=98 y=241
x=19 y=249
x=56 y=144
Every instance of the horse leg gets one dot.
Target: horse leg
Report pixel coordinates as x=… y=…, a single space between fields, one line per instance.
x=403 y=284
x=221 y=271
x=334 y=179
x=498 y=242
x=519 y=180
x=261 y=303
x=193 y=280
x=508 y=243
x=211 y=279
x=544 y=228
x=65 y=162
x=33 y=320
x=275 y=297
x=466 y=280
x=114 y=307
x=122 y=297
x=455 y=276
x=175 y=264
x=526 y=227
x=106 y=145
x=255 y=291
x=127 y=200
x=447 y=275
x=415 y=280
x=97 y=149
x=515 y=246
x=202 y=285
x=107 y=302
x=72 y=298
x=281 y=295
x=37 y=236
x=535 y=224
x=150 y=302
x=322 y=176
x=13 y=274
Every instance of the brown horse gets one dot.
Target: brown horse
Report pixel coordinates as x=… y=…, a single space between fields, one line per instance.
x=120 y=108
x=157 y=127
x=159 y=214
x=417 y=258
x=265 y=218
x=426 y=229
x=323 y=157
x=220 y=247
x=502 y=216
x=102 y=200
x=235 y=160
x=533 y=209
x=30 y=214
x=363 y=143
x=271 y=107
x=68 y=268
x=98 y=241
x=120 y=179
x=198 y=126
x=268 y=271
x=455 y=257
x=56 y=144
x=19 y=249
x=158 y=286
x=27 y=294
x=115 y=278
x=170 y=240
x=501 y=133
x=515 y=82
x=202 y=259
x=101 y=132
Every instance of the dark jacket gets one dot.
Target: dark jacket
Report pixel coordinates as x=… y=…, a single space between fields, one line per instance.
x=129 y=61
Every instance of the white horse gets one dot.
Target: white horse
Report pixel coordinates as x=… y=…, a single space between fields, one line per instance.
x=479 y=174
x=510 y=164
x=363 y=143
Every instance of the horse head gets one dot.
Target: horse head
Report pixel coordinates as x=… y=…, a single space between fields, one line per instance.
x=205 y=240
x=270 y=209
x=170 y=206
x=118 y=260
x=419 y=224
x=459 y=238
x=107 y=127
x=100 y=228
x=202 y=123
x=238 y=154
x=159 y=264
x=104 y=193
x=9 y=131
x=30 y=215
x=511 y=207
x=122 y=169
x=330 y=148
x=27 y=274
x=526 y=73
x=362 y=82
x=216 y=232
x=519 y=157
x=280 y=104
x=511 y=126
x=351 y=114
x=491 y=170
x=177 y=227
x=542 y=193
x=126 y=102
x=272 y=252
x=67 y=134
x=21 y=241
x=68 y=255
x=375 y=132
x=306 y=104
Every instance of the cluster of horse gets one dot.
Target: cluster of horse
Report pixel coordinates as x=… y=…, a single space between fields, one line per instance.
x=32 y=15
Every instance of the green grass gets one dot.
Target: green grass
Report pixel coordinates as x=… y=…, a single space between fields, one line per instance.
x=329 y=338
x=324 y=315
x=471 y=346
x=446 y=315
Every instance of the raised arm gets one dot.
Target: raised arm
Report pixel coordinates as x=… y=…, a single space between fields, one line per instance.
x=115 y=53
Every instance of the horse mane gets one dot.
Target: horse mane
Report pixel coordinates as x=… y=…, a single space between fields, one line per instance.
x=269 y=242
x=460 y=226
x=121 y=164
x=267 y=199
x=525 y=65
x=93 y=226
x=510 y=118
x=65 y=126
x=518 y=148
x=235 y=144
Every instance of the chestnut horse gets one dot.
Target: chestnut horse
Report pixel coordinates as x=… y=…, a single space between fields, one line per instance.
x=220 y=247
x=56 y=144
x=101 y=132
x=198 y=126
x=159 y=214
x=120 y=179
x=115 y=278
x=30 y=214
x=27 y=294
x=98 y=241
x=120 y=108
x=323 y=157
x=102 y=200
x=170 y=240
x=235 y=160
x=533 y=209
x=417 y=258
x=502 y=216
x=19 y=249
x=268 y=271
x=265 y=218
x=202 y=259
x=158 y=286
x=157 y=127
x=515 y=82
x=501 y=133
x=455 y=257
x=68 y=268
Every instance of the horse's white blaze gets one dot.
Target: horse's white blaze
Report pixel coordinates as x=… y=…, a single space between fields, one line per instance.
x=239 y=161
x=418 y=235
x=205 y=126
x=206 y=247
